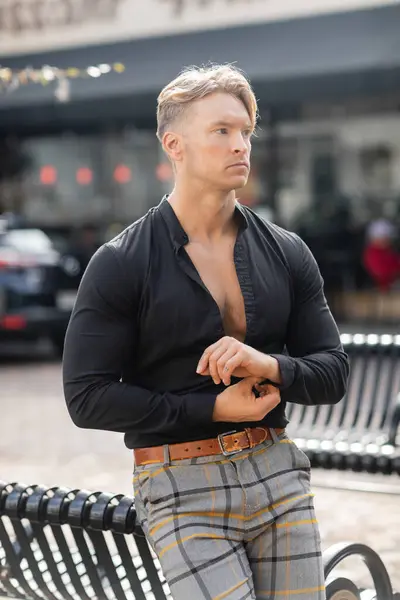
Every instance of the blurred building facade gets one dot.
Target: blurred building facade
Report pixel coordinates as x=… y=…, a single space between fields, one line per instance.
x=326 y=72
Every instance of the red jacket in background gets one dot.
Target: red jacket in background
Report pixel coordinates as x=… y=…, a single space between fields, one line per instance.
x=382 y=264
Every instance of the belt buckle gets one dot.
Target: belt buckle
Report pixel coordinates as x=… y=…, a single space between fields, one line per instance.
x=221 y=444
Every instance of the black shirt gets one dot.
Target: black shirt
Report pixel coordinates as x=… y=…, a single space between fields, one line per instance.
x=143 y=318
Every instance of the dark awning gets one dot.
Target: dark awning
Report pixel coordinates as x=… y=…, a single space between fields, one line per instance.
x=289 y=60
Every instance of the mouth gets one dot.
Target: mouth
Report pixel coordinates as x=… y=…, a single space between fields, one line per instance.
x=240 y=164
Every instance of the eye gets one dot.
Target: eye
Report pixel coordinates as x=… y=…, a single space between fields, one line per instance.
x=247 y=133
x=222 y=131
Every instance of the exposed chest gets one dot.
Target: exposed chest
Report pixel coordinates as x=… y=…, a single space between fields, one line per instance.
x=216 y=269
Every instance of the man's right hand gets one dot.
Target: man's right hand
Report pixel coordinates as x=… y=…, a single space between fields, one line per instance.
x=238 y=403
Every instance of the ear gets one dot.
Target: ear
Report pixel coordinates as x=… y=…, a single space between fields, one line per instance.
x=172 y=145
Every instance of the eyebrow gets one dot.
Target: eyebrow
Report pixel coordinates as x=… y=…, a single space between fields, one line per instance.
x=248 y=125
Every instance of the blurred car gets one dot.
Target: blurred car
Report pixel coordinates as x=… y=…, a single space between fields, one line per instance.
x=76 y=246
x=32 y=303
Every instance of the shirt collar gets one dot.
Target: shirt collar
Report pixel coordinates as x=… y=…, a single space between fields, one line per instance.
x=178 y=235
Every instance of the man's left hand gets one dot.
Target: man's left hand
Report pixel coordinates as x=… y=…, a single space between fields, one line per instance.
x=228 y=357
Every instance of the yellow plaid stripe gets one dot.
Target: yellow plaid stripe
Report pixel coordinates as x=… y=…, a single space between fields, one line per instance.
x=238 y=517
x=294 y=523
x=232 y=589
x=287 y=593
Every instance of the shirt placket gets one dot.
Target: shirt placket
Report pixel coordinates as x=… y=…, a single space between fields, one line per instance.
x=242 y=265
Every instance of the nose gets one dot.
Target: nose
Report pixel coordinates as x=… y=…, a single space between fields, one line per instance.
x=239 y=144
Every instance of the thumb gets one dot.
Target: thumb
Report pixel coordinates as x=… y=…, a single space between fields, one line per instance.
x=250 y=382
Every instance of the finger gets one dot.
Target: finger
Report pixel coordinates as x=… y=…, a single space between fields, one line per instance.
x=224 y=359
x=264 y=387
x=205 y=371
x=234 y=360
x=203 y=362
x=261 y=390
x=212 y=364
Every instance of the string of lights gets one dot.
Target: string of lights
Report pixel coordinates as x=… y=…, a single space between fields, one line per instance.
x=11 y=79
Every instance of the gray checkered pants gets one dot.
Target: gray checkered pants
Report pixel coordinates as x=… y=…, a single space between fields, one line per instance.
x=234 y=528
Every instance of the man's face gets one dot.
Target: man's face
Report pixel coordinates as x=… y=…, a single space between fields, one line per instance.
x=215 y=142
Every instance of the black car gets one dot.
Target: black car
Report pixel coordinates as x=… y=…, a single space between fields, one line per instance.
x=32 y=303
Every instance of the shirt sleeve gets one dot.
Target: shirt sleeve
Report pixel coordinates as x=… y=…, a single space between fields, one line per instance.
x=100 y=340
x=316 y=369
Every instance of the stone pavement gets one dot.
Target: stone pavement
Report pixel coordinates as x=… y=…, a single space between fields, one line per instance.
x=39 y=444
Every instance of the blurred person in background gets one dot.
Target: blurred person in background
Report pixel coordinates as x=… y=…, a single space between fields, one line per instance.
x=199 y=319
x=380 y=258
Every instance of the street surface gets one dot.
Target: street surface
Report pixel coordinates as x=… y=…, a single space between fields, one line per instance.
x=40 y=444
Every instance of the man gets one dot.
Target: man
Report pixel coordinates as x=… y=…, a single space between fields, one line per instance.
x=179 y=336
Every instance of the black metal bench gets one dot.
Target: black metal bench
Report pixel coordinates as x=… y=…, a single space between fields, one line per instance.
x=58 y=544
x=360 y=432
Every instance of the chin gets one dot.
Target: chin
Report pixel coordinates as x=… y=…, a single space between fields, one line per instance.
x=233 y=183
x=238 y=183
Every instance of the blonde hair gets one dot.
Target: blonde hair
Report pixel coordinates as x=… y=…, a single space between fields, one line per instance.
x=194 y=83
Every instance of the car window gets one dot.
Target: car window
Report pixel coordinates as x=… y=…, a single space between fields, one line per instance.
x=28 y=240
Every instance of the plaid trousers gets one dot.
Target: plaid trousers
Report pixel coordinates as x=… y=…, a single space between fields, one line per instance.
x=234 y=528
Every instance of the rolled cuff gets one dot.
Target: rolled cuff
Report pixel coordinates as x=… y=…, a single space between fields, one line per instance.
x=287 y=368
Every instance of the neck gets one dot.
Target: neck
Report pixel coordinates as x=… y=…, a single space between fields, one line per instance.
x=204 y=215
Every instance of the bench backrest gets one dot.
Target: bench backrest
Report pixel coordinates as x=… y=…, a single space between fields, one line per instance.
x=366 y=411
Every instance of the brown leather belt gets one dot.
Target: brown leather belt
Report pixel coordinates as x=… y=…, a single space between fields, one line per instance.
x=228 y=444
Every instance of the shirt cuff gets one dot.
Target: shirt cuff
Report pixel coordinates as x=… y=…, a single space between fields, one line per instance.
x=201 y=408
x=287 y=368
